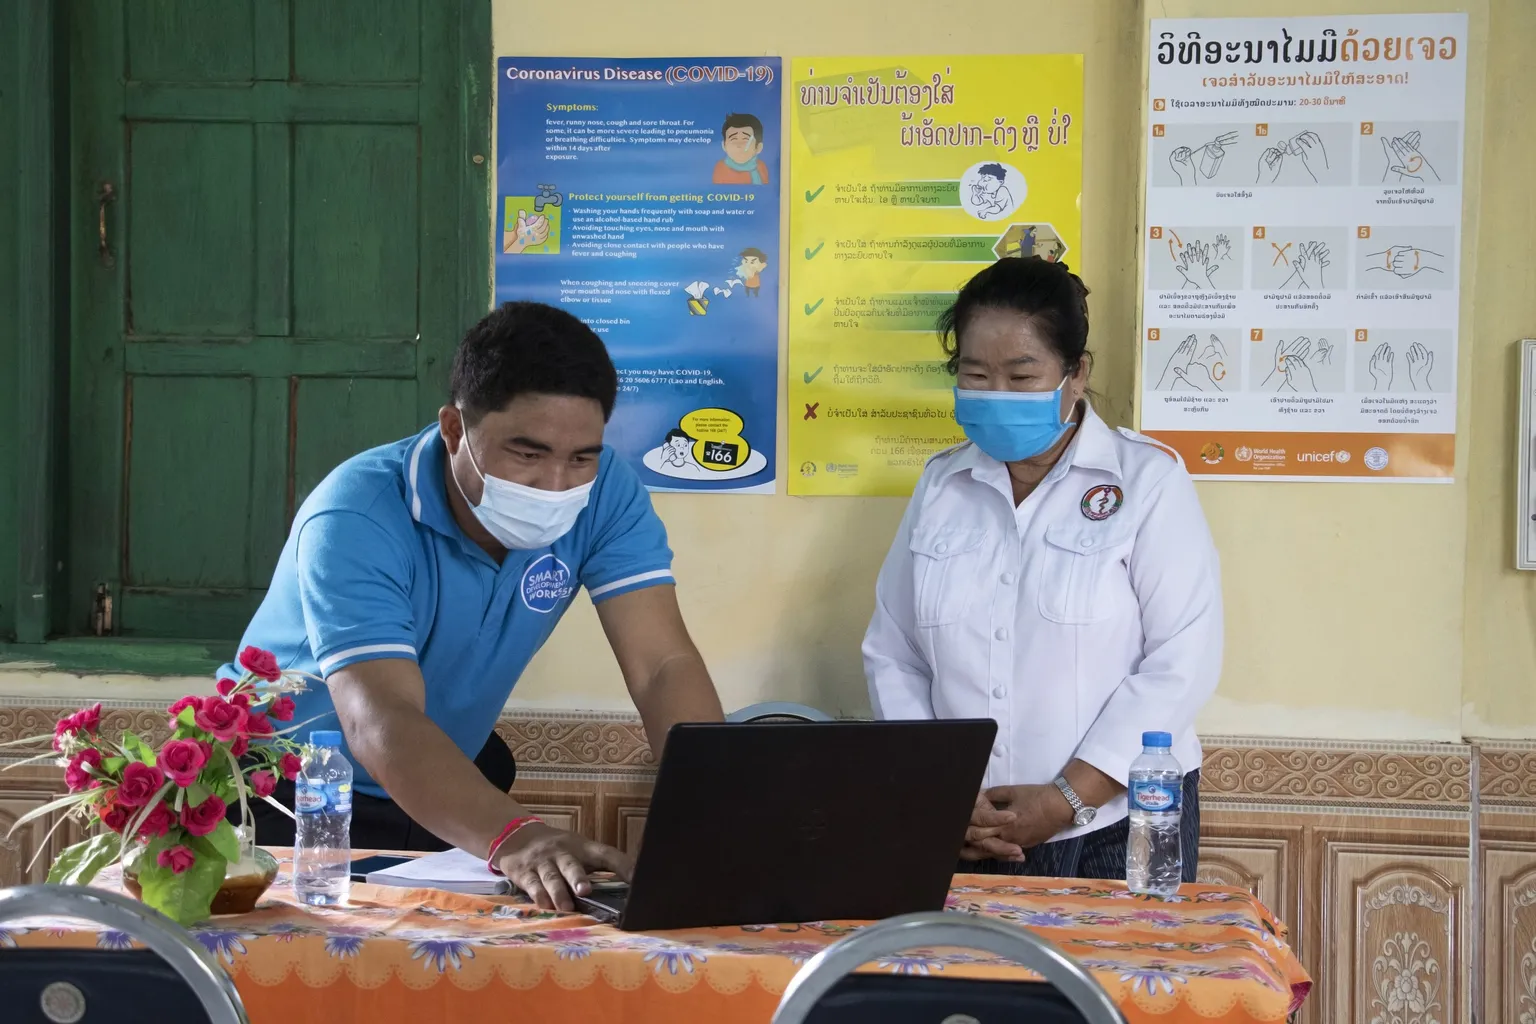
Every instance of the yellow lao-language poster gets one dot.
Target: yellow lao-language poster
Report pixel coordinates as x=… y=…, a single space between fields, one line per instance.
x=907 y=176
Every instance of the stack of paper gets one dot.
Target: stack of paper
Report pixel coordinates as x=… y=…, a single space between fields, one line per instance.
x=451 y=870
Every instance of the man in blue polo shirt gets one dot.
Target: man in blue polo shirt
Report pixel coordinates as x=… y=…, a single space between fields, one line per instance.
x=420 y=578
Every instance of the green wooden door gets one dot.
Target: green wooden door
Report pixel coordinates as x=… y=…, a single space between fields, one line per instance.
x=279 y=226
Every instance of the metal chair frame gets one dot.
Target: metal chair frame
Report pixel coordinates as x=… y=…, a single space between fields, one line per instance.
x=778 y=709
x=174 y=944
x=935 y=929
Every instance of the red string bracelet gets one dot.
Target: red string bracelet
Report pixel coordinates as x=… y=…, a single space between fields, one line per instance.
x=507 y=833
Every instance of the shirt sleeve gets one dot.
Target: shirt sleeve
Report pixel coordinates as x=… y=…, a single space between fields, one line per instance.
x=354 y=588
x=1176 y=575
x=899 y=677
x=629 y=548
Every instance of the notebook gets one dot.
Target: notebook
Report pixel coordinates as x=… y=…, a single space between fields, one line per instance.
x=451 y=870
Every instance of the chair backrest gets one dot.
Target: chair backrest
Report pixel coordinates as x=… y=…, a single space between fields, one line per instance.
x=175 y=945
x=781 y=710
x=938 y=929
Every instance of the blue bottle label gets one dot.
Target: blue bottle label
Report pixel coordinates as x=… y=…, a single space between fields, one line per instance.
x=335 y=797
x=1156 y=797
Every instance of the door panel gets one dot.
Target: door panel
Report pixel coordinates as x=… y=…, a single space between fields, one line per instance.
x=189 y=259
x=189 y=40
x=357 y=41
x=271 y=299
x=355 y=189
x=181 y=429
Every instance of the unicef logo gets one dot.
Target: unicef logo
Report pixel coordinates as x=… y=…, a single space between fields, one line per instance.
x=1341 y=455
x=547 y=583
x=1376 y=459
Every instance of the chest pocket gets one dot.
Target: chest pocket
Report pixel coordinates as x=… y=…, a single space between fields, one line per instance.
x=1076 y=566
x=944 y=573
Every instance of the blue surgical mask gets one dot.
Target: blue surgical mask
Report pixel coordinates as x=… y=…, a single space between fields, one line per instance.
x=1011 y=426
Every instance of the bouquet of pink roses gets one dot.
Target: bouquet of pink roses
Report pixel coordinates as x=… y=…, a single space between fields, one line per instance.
x=166 y=809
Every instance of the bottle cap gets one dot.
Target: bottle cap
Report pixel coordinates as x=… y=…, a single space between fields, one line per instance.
x=1156 y=739
x=332 y=738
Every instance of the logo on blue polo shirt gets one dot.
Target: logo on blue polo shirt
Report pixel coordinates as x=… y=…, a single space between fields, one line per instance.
x=547 y=582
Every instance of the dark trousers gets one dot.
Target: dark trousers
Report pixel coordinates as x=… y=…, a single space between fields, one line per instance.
x=1099 y=854
x=379 y=824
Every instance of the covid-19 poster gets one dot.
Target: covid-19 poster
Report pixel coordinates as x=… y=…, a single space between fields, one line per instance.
x=642 y=195
x=908 y=176
x=1302 y=288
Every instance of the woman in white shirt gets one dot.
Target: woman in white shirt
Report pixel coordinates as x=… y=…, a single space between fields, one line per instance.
x=1054 y=575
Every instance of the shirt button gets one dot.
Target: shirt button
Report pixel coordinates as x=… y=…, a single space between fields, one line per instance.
x=1087 y=542
x=1001 y=634
x=1007 y=579
x=998 y=692
x=997 y=751
x=941 y=548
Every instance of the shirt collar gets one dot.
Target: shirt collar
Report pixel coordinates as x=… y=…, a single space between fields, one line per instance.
x=1092 y=448
x=425 y=490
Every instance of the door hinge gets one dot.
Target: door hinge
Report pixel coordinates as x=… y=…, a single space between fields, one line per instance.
x=101 y=611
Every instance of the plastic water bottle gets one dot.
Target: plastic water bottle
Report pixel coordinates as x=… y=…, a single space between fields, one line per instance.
x=322 y=800
x=1154 y=858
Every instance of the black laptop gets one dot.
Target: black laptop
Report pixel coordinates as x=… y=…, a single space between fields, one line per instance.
x=777 y=822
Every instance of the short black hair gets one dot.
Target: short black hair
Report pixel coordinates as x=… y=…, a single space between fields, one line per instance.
x=676 y=433
x=756 y=254
x=743 y=121
x=523 y=348
x=997 y=171
x=1053 y=298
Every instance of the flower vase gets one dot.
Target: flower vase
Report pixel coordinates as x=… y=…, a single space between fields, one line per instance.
x=245 y=880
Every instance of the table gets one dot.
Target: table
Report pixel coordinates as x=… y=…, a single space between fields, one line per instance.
x=1211 y=954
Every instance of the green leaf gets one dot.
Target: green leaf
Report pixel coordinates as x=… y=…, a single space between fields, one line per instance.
x=113 y=765
x=81 y=862
x=187 y=897
x=196 y=794
x=225 y=841
x=187 y=718
x=138 y=748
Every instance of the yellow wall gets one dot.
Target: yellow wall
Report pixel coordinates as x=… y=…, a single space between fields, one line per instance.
x=1353 y=611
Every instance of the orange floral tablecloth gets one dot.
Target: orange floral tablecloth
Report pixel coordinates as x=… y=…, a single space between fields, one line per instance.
x=1210 y=954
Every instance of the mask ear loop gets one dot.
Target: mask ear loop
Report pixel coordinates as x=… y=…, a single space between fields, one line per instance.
x=473 y=464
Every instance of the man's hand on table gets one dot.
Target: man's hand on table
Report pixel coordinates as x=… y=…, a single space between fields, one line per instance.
x=550 y=865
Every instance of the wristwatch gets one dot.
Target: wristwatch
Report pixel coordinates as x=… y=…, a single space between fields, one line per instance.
x=1082 y=814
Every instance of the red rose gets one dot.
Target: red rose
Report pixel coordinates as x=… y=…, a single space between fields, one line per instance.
x=226 y=687
x=177 y=858
x=240 y=746
x=140 y=784
x=186 y=702
x=261 y=663
x=88 y=720
x=76 y=775
x=221 y=718
x=159 y=821
x=289 y=765
x=257 y=724
x=241 y=700
x=282 y=709
x=113 y=815
x=263 y=783
x=182 y=761
x=203 y=818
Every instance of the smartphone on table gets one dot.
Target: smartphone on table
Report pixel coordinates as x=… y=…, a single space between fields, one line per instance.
x=363 y=866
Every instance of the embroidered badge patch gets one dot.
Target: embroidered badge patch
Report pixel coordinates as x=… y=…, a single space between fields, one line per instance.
x=1102 y=501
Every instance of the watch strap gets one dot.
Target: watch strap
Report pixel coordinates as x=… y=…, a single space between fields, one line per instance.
x=1072 y=798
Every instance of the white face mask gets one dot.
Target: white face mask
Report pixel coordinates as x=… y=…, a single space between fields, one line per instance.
x=525 y=518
